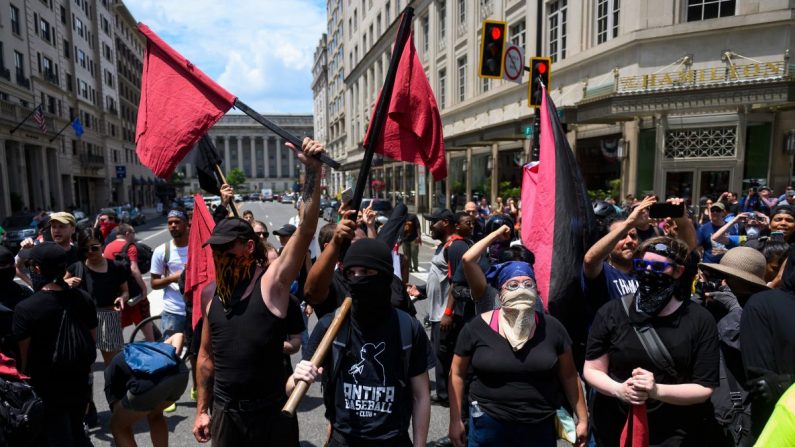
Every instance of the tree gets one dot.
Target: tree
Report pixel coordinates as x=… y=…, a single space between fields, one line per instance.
x=235 y=178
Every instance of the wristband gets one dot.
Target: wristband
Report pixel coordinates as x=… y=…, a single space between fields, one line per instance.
x=448 y=312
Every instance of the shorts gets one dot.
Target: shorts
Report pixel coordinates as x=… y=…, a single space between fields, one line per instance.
x=261 y=427
x=169 y=389
x=135 y=314
x=171 y=324
x=109 y=332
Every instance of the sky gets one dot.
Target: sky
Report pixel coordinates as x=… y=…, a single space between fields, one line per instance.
x=259 y=50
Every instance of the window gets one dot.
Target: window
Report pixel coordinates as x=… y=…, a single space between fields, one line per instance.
x=517 y=33
x=108 y=78
x=485 y=84
x=82 y=88
x=81 y=58
x=63 y=15
x=15 y=19
x=606 y=20
x=709 y=9
x=442 y=19
x=426 y=35
x=378 y=25
x=106 y=51
x=66 y=49
x=105 y=25
x=19 y=64
x=442 y=82
x=557 y=30
x=69 y=85
x=386 y=15
x=77 y=25
x=462 y=12
x=462 y=78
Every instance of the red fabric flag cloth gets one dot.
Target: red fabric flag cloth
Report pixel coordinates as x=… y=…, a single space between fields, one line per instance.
x=413 y=127
x=178 y=104
x=636 y=429
x=200 y=270
x=8 y=368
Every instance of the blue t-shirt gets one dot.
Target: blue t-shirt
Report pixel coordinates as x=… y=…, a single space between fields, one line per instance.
x=610 y=284
x=713 y=251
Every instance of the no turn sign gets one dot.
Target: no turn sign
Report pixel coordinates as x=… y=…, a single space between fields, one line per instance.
x=514 y=64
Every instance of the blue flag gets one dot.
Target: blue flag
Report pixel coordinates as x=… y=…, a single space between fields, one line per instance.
x=78 y=127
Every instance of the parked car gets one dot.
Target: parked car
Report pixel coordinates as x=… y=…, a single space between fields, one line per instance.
x=277 y=198
x=18 y=228
x=238 y=198
x=287 y=198
x=212 y=201
x=137 y=217
x=267 y=195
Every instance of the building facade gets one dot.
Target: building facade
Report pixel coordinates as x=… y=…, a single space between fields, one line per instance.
x=63 y=55
x=676 y=97
x=320 y=100
x=262 y=155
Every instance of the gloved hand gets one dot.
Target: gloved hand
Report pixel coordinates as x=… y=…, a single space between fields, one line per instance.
x=771 y=386
x=726 y=299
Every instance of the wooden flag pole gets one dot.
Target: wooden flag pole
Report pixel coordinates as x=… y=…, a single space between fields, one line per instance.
x=221 y=176
x=302 y=387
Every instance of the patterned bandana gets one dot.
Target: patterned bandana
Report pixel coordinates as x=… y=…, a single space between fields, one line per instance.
x=232 y=277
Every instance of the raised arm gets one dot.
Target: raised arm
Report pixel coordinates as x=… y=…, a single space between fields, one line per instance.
x=319 y=278
x=687 y=232
x=720 y=235
x=472 y=271
x=280 y=274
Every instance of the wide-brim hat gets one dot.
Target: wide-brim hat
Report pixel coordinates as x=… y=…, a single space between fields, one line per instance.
x=741 y=263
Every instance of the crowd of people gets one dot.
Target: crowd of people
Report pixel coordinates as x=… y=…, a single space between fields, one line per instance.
x=687 y=327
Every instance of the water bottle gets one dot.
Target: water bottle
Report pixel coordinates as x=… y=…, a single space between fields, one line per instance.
x=474 y=409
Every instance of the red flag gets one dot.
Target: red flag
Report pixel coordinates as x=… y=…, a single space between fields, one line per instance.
x=200 y=270
x=636 y=428
x=413 y=128
x=556 y=230
x=178 y=104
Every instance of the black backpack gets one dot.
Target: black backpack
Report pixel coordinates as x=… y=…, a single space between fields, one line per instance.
x=21 y=413
x=75 y=349
x=144 y=256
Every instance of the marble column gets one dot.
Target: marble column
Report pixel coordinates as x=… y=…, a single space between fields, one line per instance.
x=292 y=163
x=240 y=154
x=254 y=173
x=495 y=172
x=227 y=157
x=279 y=150
x=265 y=142
x=468 y=174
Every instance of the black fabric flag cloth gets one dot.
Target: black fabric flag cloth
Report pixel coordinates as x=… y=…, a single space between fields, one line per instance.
x=393 y=227
x=558 y=231
x=205 y=160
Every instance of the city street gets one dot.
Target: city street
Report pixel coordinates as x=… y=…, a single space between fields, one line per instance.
x=313 y=425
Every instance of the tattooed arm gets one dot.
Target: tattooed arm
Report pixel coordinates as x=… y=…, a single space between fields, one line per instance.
x=285 y=269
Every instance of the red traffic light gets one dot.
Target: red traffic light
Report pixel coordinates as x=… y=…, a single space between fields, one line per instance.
x=496 y=33
x=542 y=68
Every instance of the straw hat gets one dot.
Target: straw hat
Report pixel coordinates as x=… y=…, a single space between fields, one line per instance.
x=741 y=263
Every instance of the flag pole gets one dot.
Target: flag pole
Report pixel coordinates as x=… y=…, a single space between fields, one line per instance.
x=377 y=125
x=221 y=177
x=23 y=121
x=62 y=129
x=278 y=130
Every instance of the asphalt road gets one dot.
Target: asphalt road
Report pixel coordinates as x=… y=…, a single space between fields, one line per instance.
x=312 y=423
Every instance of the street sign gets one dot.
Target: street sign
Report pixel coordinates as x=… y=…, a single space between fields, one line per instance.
x=514 y=64
x=121 y=172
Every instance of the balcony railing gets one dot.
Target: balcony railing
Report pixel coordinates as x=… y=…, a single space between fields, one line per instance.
x=5 y=73
x=23 y=81
x=50 y=77
x=91 y=159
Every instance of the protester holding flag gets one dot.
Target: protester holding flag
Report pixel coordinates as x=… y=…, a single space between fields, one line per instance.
x=244 y=328
x=668 y=394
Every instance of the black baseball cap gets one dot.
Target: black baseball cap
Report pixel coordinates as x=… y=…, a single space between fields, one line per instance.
x=48 y=254
x=230 y=230
x=440 y=214
x=285 y=230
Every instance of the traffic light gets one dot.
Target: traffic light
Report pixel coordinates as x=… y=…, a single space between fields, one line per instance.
x=540 y=68
x=492 y=49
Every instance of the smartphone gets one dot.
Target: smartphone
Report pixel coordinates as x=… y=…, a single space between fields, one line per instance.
x=662 y=210
x=346 y=195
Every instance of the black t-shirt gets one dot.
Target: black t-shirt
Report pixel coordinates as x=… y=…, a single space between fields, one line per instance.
x=339 y=290
x=690 y=335
x=12 y=295
x=609 y=284
x=38 y=318
x=513 y=386
x=103 y=287
x=294 y=323
x=370 y=403
x=411 y=228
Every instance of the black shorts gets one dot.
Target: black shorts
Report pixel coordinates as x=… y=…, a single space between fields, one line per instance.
x=266 y=427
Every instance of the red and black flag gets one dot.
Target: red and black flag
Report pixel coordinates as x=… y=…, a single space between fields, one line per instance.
x=557 y=222
x=206 y=159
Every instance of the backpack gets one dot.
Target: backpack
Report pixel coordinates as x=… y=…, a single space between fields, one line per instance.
x=75 y=349
x=21 y=413
x=150 y=358
x=339 y=348
x=144 y=256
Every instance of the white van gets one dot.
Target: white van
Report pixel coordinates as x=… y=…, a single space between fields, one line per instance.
x=267 y=195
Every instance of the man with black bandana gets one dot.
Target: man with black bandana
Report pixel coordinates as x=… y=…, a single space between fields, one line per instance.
x=376 y=389
x=244 y=328
x=624 y=374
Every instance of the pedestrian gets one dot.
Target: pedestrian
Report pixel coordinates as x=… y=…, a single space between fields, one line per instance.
x=674 y=394
x=134 y=395
x=377 y=379
x=478 y=231
x=248 y=216
x=38 y=320
x=62 y=229
x=244 y=328
x=168 y=262
x=412 y=240
x=522 y=363
x=712 y=250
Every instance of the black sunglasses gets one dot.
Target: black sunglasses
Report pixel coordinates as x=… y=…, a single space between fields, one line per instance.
x=262 y=234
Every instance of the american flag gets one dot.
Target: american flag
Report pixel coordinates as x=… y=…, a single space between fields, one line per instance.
x=39 y=118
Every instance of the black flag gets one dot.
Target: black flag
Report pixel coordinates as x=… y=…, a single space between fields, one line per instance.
x=206 y=159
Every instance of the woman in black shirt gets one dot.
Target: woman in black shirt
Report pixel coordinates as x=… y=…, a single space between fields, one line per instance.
x=106 y=282
x=623 y=373
x=522 y=363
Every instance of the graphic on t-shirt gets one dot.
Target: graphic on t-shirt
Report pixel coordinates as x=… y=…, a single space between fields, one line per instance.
x=625 y=286
x=368 y=354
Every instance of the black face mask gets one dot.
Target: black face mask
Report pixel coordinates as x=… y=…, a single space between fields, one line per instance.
x=655 y=290
x=371 y=297
x=7 y=275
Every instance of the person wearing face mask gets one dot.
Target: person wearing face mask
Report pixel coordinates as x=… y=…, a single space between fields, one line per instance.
x=755 y=226
x=523 y=365
x=376 y=383
x=673 y=398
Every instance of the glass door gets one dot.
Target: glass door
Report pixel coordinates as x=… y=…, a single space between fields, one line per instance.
x=697 y=185
x=679 y=184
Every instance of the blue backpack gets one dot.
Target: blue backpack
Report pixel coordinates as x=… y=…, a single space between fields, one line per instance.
x=150 y=358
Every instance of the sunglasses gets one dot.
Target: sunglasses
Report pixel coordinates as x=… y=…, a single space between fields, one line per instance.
x=656 y=266
x=515 y=284
x=262 y=234
x=95 y=248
